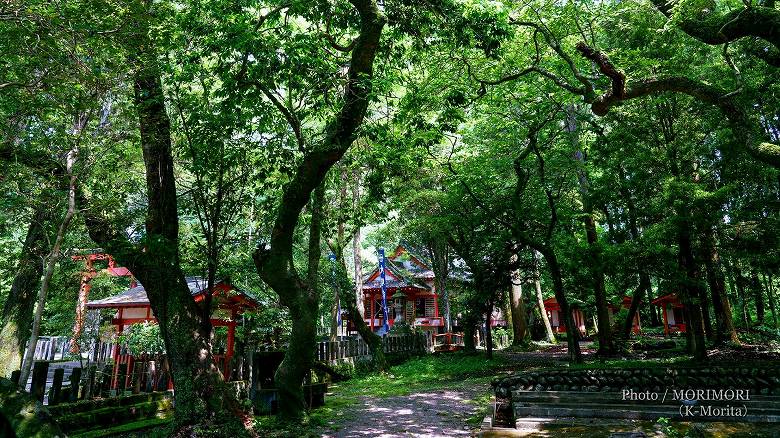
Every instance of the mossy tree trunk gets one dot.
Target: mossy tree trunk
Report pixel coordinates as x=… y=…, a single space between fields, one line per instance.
x=690 y=290
x=18 y=307
x=274 y=262
x=202 y=397
x=517 y=306
x=724 y=322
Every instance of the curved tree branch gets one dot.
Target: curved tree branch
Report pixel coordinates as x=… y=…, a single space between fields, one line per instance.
x=742 y=126
x=275 y=263
x=709 y=27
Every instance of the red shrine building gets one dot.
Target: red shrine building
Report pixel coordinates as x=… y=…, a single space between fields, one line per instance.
x=557 y=322
x=673 y=314
x=132 y=307
x=625 y=303
x=411 y=293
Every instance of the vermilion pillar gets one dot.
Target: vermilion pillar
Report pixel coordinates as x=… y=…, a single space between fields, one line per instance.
x=666 y=321
x=373 y=312
x=231 y=338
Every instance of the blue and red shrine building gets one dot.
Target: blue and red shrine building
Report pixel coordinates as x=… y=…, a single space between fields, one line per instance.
x=411 y=293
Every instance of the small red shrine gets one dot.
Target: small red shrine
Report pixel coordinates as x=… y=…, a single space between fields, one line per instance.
x=673 y=314
x=132 y=306
x=557 y=323
x=625 y=304
x=411 y=293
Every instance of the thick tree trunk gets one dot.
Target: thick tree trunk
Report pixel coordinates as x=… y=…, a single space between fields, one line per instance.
x=274 y=263
x=201 y=394
x=517 y=309
x=18 y=307
x=468 y=336
x=724 y=322
x=606 y=344
x=690 y=291
x=299 y=356
x=540 y=301
x=572 y=332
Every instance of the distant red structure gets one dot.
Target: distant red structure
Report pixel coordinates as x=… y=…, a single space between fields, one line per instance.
x=411 y=293
x=87 y=275
x=625 y=303
x=132 y=307
x=673 y=314
x=557 y=323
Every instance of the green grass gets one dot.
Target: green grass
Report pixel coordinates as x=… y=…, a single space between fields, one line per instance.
x=423 y=374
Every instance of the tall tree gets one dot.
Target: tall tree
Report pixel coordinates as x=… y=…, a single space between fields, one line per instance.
x=275 y=262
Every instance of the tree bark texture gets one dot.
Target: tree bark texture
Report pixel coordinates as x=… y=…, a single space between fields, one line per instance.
x=724 y=322
x=18 y=307
x=274 y=262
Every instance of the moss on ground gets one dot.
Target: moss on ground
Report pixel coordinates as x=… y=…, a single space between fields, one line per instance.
x=153 y=427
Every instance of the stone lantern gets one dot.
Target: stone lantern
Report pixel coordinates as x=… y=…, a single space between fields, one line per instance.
x=399 y=304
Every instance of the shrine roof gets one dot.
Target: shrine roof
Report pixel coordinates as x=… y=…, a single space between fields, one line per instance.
x=395 y=277
x=225 y=292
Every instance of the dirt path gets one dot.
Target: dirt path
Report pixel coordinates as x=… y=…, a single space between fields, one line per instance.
x=454 y=409
x=440 y=413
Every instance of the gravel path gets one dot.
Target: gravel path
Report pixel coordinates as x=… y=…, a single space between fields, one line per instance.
x=440 y=413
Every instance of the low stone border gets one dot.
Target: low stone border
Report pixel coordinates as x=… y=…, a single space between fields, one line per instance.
x=758 y=380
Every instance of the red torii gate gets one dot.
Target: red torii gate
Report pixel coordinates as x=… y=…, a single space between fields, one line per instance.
x=86 y=284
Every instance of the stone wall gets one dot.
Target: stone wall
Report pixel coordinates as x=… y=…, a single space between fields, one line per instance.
x=758 y=380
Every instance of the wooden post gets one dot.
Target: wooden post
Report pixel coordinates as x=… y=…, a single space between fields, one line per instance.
x=89 y=383
x=128 y=372
x=75 y=381
x=39 y=376
x=55 y=393
x=138 y=369
x=15 y=376
x=151 y=371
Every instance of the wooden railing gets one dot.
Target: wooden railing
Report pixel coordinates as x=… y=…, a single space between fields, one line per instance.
x=52 y=348
x=327 y=351
x=54 y=381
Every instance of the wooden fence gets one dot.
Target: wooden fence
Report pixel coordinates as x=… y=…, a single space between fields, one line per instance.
x=328 y=351
x=51 y=348
x=54 y=380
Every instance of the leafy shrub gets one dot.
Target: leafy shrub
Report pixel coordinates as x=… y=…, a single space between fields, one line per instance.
x=142 y=338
